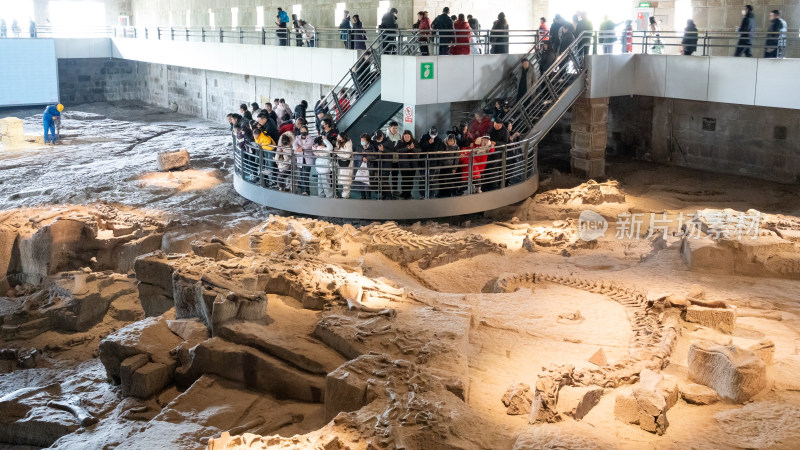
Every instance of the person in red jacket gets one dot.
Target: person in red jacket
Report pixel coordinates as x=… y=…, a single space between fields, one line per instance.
x=479 y=152
x=544 y=32
x=480 y=126
x=463 y=35
x=423 y=26
x=288 y=126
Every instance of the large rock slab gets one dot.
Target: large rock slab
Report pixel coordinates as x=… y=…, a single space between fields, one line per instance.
x=253 y=368
x=138 y=357
x=210 y=406
x=345 y=391
x=173 y=160
x=27 y=417
x=301 y=351
x=736 y=374
x=75 y=301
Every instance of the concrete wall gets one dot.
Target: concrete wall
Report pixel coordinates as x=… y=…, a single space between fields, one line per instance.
x=456 y=78
x=97 y=80
x=726 y=15
x=310 y=65
x=742 y=140
x=197 y=92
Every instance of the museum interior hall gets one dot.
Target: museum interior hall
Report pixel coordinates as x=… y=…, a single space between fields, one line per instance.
x=399 y=224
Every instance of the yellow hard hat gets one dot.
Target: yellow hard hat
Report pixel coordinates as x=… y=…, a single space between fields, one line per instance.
x=60 y=107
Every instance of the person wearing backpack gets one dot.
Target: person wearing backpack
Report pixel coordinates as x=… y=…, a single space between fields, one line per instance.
x=283 y=27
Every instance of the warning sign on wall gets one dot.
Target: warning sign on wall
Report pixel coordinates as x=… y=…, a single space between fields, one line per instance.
x=408 y=114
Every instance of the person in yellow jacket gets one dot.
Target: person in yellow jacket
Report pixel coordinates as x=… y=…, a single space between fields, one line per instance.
x=268 y=146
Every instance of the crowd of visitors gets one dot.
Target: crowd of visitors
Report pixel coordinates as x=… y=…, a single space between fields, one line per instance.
x=563 y=32
x=280 y=151
x=387 y=164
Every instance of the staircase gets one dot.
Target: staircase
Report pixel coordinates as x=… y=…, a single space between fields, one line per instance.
x=552 y=96
x=355 y=102
x=356 y=105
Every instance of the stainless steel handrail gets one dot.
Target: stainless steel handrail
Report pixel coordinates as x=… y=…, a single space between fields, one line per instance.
x=467 y=171
x=550 y=86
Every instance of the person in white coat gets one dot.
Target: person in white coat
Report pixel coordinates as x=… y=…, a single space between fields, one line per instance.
x=304 y=156
x=283 y=158
x=323 y=153
x=344 y=158
x=309 y=33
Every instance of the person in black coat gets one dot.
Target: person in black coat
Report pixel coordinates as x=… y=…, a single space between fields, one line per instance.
x=566 y=35
x=389 y=25
x=408 y=149
x=430 y=143
x=776 y=38
x=345 y=27
x=245 y=112
x=553 y=43
x=300 y=110
x=747 y=26
x=498 y=134
x=499 y=35
x=584 y=26
x=384 y=147
x=364 y=160
x=689 y=41
x=443 y=25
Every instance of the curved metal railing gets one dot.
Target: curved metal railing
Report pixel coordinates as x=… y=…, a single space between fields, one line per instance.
x=387 y=176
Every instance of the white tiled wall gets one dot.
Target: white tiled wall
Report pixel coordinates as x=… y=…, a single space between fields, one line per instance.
x=721 y=79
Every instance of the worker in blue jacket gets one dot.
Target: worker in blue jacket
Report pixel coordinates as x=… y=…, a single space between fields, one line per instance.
x=51 y=114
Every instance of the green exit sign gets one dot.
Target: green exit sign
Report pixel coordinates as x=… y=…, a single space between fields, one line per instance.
x=644 y=4
x=426 y=71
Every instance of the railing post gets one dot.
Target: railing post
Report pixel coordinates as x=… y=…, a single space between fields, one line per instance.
x=470 y=166
x=115 y=32
x=334 y=172
x=124 y=32
x=504 y=167
x=172 y=33
x=158 y=33
x=705 y=43
x=427 y=176
x=263 y=36
x=646 y=36
x=356 y=83
x=241 y=35
x=202 y=34
x=187 y=34
x=525 y=160
x=221 y=35
x=146 y=33
x=261 y=180
x=335 y=105
x=399 y=45
x=134 y=33
x=292 y=170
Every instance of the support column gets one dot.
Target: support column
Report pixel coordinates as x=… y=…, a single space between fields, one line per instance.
x=589 y=136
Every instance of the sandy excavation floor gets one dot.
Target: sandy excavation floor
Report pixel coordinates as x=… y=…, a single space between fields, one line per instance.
x=145 y=309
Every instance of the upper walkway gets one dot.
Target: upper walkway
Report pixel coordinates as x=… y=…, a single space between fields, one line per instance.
x=711 y=74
